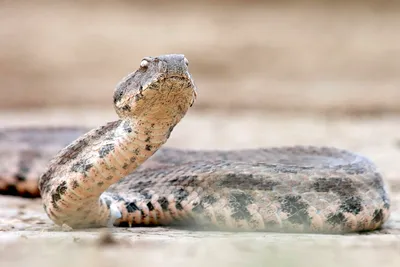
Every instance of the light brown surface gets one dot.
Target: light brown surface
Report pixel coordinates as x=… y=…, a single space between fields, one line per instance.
x=331 y=57
x=27 y=233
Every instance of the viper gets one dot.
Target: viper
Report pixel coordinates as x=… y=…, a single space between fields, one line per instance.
x=120 y=174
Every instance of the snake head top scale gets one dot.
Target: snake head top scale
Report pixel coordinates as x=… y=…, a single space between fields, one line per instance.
x=160 y=86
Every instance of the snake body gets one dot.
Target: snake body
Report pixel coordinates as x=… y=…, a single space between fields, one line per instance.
x=118 y=174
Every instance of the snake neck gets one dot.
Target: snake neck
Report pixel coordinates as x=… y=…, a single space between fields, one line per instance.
x=76 y=199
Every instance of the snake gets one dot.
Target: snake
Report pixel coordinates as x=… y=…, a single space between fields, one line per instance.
x=120 y=174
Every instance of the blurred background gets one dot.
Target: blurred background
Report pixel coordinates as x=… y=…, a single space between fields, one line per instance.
x=339 y=57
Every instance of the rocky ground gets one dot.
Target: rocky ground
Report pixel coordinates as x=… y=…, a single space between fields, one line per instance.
x=27 y=236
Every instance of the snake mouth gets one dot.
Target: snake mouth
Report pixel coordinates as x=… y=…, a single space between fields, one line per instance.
x=169 y=82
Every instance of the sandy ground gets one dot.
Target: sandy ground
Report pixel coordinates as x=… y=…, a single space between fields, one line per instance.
x=28 y=237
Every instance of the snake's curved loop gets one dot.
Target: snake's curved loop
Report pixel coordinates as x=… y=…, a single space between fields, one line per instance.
x=109 y=175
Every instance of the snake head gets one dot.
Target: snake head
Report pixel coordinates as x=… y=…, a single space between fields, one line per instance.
x=160 y=86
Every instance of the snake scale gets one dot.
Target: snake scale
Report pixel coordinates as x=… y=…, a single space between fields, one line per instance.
x=118 y=174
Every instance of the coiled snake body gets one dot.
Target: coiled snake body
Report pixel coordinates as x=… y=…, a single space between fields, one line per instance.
x=109 y=175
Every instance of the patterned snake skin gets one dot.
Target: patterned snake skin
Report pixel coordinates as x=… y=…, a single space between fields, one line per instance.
x=117 y=175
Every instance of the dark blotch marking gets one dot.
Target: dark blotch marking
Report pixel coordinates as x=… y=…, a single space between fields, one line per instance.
x=386 y=206
x=239 y=202
x=100 y=184
x=62 y=188
x=296 y=209
x=105 y=150
x=82 y=166
x=141 y=186
x=118 y=94
x=55 y=197
x=127 y=127
x=139 y=95
x=184 y=180
x=44 y=185
x=336 y=219
x=352 y=205
x=163 y=203
x=20 y=177
x=131 y=207
x=378 y=216
x=179 y=206
x=180 y=194
x=174 y=180
x=75 y=184
x=123 y=224
x=147 y=139
x=148 y=147
x=150 y=206
x=343 y=187
x=247 y=182
x=126 y=108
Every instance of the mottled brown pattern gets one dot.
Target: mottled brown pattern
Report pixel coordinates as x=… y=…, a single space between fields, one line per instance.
x=110 y=175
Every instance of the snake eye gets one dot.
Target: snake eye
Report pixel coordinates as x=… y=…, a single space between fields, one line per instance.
x=144 y=63
x=186 y=62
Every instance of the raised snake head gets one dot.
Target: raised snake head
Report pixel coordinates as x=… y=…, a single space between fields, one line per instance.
x=161 y=86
